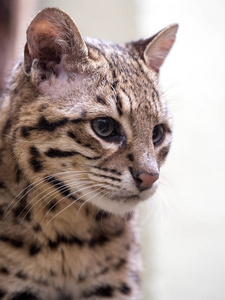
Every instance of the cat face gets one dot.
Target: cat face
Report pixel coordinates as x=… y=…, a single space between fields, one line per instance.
x=97 y=129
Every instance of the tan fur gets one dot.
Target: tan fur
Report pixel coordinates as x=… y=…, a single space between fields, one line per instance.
x=68 y=196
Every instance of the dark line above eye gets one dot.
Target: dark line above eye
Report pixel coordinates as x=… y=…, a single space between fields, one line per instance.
x=59 y=153
x=101 y=100
x=44 y=124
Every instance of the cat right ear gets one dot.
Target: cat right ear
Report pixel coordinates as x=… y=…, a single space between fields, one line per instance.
x=54 y=44
x=155 y=49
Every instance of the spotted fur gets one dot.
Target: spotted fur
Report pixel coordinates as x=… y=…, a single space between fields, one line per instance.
x=84 y=132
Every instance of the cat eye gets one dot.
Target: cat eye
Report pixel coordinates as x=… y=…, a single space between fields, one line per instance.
x=105 y=128
x=158 y=134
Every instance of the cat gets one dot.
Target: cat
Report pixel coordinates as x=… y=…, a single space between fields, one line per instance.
x=84 y=132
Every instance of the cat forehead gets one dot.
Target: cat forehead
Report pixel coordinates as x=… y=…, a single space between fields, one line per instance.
x=115 y=83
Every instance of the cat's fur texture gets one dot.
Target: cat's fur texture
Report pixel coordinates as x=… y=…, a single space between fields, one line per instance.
x=84 y=132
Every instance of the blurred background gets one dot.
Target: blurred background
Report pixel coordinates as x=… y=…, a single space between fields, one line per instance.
x=183 y=227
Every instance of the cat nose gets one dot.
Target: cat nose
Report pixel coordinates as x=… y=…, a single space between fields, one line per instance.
x=145 y=180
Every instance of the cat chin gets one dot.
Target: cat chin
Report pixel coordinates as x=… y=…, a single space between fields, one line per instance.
x=116 y=207
x=123 y=205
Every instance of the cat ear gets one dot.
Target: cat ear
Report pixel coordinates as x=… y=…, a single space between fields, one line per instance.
x=51 y=35
x=155 y=49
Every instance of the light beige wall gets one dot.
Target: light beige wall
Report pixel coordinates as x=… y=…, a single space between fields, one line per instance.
x=187 y=255
x=104 y=19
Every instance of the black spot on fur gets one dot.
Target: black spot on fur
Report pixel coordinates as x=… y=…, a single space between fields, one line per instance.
x=25 y=131
x=130 y=157
x=15 y=242
x=101 y=291
x=22 y=210
x=34 y=151
x=71 y=135
x=101 y=100
x=35 y=159
x=2 y=293
x=2 y=185
x=114 y=84
x=76 y=121
x=24 y=296
x=72 y=240
x=101 y=215
x=125 y=289
x=4 y=270
x=119 y=105
x=21 y=275
x=120 y=264
x=60 y=186
x=34 y=249
x=81 y=278
x=37 y=228
x=52 y=205
x=163 y=152
x=36 y=165
x=99 y=241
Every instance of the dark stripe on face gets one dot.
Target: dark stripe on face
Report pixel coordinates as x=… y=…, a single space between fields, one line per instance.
x=119 y=105
x=35 y=160
x=76 y=121
x=43 y=125
x=130 y=101
x=53 y=153
x=163 y=153
x=108 y=170
x=101 y=100
x=56 y=153
x=107 y=177
x=74 y=137
x=60 y=186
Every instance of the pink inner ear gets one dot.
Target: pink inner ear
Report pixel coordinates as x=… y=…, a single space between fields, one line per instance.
x=39 y=35
x=156 y=52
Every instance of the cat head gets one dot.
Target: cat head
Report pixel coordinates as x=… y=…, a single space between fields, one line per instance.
x=97 y=129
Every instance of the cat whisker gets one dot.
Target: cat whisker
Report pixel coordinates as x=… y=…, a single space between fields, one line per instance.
x=69 y=206
x=34 y=185
x=50 y=194
x=89 y=199
x=16 y=139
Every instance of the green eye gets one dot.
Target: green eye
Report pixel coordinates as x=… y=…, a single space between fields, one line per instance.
x=104 y=127
x=158 y=134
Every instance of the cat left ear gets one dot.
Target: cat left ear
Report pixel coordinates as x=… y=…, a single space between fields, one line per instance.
x=155 y=49
x=51 y=35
